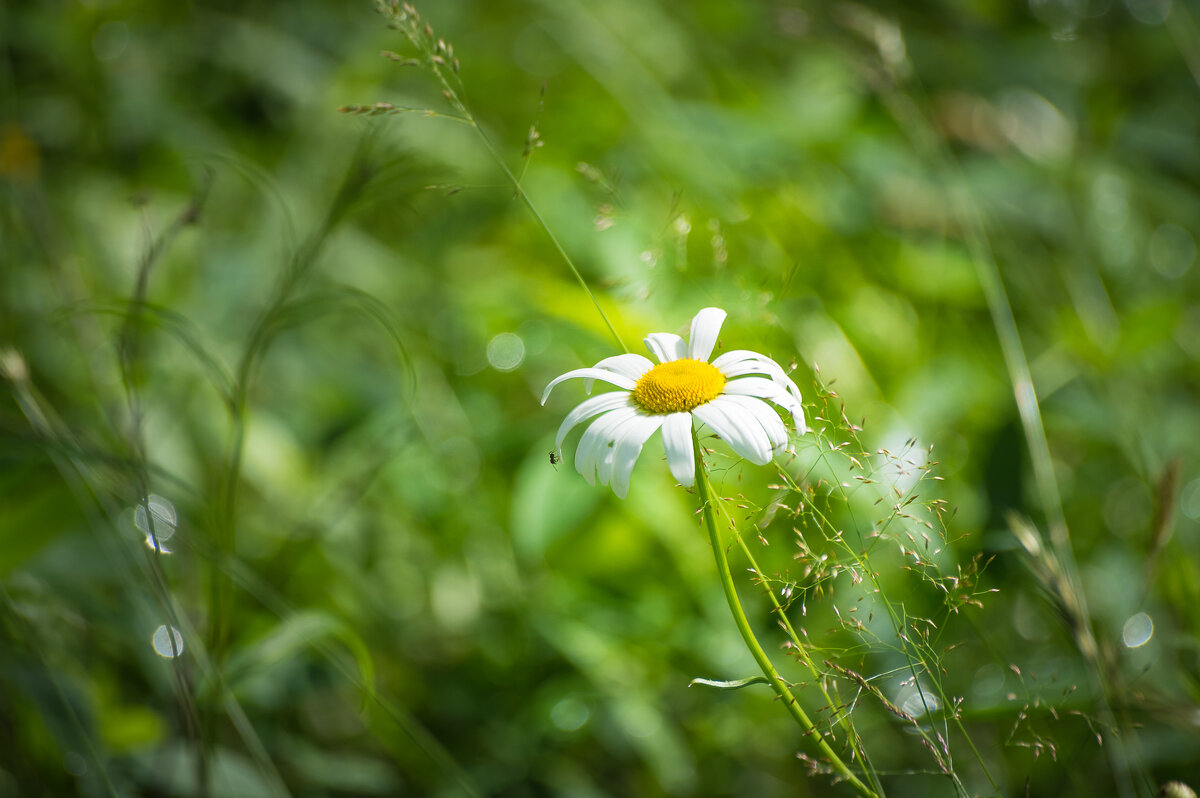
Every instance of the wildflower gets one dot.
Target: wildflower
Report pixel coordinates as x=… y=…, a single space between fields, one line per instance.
x=725 y=395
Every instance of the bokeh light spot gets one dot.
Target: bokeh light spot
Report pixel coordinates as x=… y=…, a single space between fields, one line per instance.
x=158 y=525
x=1172 y=250
x=455 y=597
x=570 y=714
x=167 y=642
x=1137 y=630
x=1189 y=502
x=1035 y=125
x=916 y=700
x=506 y=351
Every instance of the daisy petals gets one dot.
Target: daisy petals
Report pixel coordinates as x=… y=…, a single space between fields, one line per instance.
x=772 y=391
x=619 y=380
x=590 y=407
x=594 y=444
x=742 y=361
x=706 y=327
x=745 y=412
x=666 y=346
x=736 y=356
x=763 y=413
x=677 y=443
x=604 y=464
x=628 y=365
x=740 y=430
x=633 y=435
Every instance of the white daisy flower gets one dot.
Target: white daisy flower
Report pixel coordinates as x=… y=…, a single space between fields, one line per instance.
x=725 y=395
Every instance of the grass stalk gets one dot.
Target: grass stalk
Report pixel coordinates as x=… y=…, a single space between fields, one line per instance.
x=805 y=659
x=708 y=507
x=439 y=58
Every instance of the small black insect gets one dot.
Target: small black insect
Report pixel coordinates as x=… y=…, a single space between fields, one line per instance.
x=554 y=459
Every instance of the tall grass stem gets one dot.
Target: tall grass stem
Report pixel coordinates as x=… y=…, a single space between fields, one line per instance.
x=708 y=508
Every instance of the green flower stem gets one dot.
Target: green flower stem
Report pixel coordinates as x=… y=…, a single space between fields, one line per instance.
x=707 y=505
x=802 y=653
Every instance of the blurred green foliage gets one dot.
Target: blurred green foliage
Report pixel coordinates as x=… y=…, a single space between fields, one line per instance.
x=297 y=327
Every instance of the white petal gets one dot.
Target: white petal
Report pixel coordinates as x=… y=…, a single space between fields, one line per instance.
x=763 y=413
x=666 y=346
x=677 y=442
x=737 y=356
x=629 y=446
x=743 y=361
x=591 y=407
x=594 y=444
x=604 y=467
x=706 y=327
x=743 y=434
x=772 y=391
x=629 y=365
x=619 y=380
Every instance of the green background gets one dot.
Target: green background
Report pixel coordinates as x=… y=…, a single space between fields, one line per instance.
x=324 y=292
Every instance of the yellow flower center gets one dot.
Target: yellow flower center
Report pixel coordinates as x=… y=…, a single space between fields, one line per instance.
x=678 y=386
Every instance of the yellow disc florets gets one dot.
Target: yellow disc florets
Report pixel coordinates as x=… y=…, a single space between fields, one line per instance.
x=678 y=386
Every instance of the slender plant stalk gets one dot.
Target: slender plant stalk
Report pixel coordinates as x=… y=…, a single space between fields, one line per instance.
x=911 y=652
x=524 y=196
x=904 y=106
x=444 y=66
x=708 y=507
x=843 y=718
x=974 y=229
x=129 y=348
x=802 y=652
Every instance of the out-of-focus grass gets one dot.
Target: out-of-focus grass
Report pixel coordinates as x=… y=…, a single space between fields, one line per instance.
x=390 y=590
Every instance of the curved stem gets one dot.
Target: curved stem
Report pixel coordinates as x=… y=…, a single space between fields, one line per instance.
x=802 y=652
x=803 y=655
x=756 y=650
